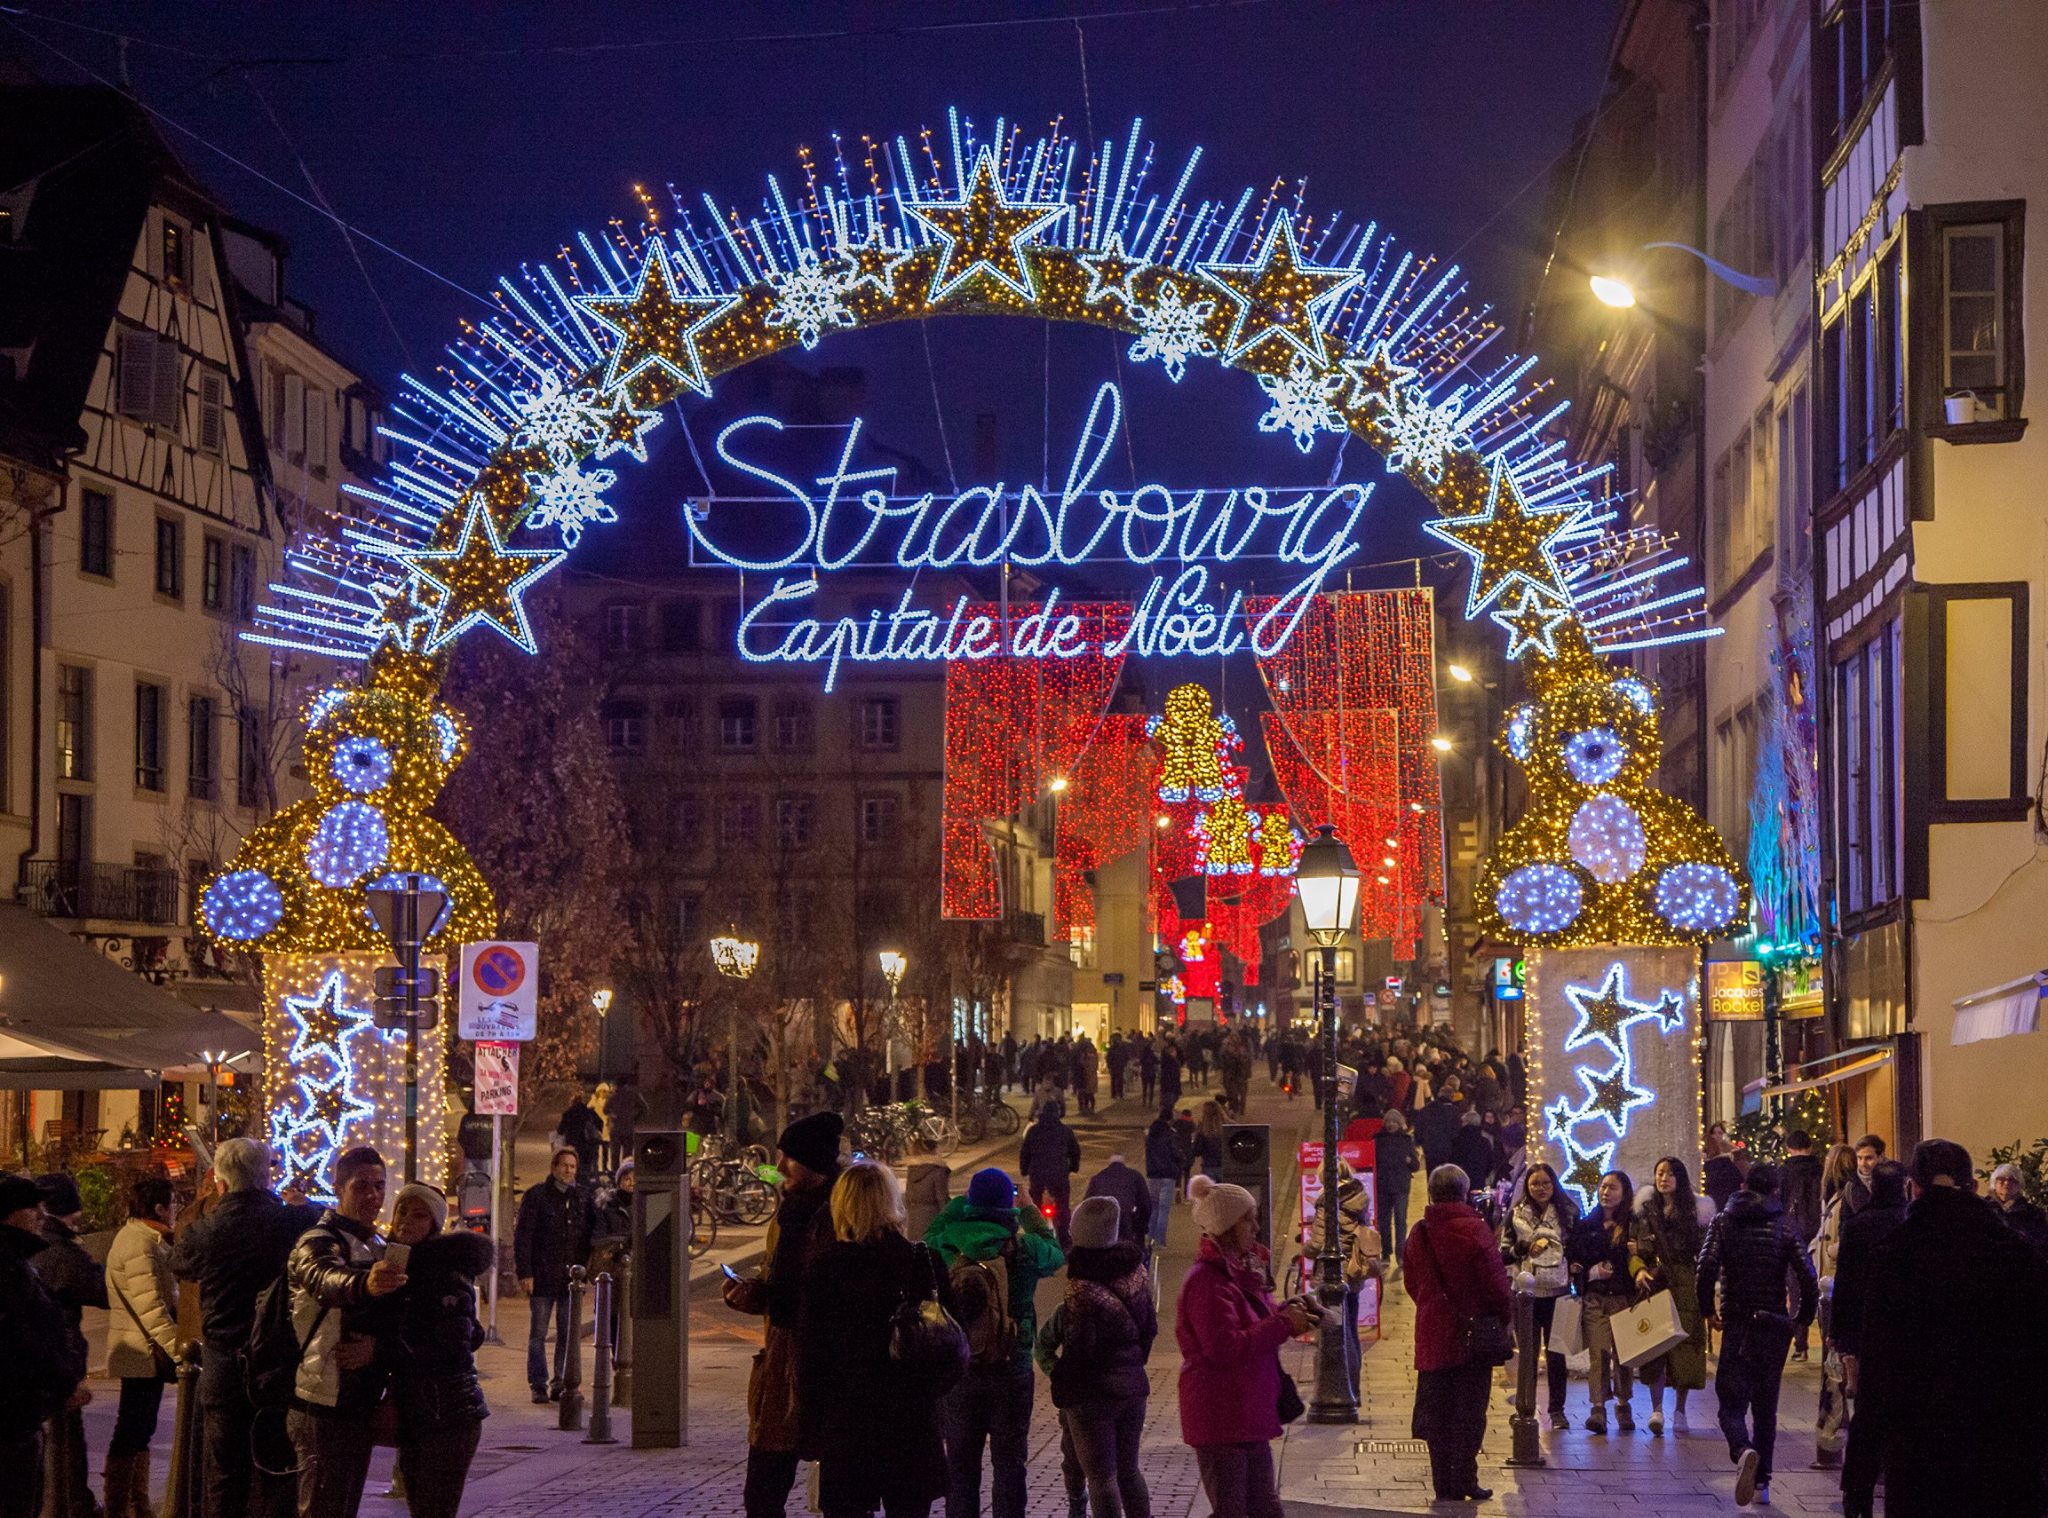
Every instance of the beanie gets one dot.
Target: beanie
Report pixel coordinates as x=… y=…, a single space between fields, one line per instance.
x=17 y=1192
x=1095 y=1223
x=991 y=1189
x=1218 y=1209
x=60 y=1194
x=813 y=1142
x=436 y=1203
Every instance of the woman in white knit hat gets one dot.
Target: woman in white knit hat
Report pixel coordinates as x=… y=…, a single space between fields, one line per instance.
x=1230 y=1333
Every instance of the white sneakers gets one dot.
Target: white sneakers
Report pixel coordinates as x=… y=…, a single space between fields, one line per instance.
x=1745 y=1478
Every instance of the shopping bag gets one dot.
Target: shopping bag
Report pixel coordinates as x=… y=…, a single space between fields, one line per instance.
x=1647 y=1329
x=1567 y=1335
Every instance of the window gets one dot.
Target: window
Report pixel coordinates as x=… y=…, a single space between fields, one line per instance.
x=1863 y=371
x=729 y=613
x=688 y=819
x=739 y=822
x=213 y=393
x=622 y=627
x=74 y=722
x=878 y=820
x=1975 y=336
x=1867 y=790
x=793 y=734
x=1856 y=46
x=684 y=734
x=1733 y=23
x=796 y=822
x=146 y=379
x=878 y=724
x=1972 y=642
x=736 y=725
x=177 y=250
x=1739 y=510
x=625 y=726
x=294 y=412
x=316 y=432
x=74 y=828
x=248 y=757
x=689 y=915
x=682 y=627
x=213 y=555
x=1347 y=967
x=1733 y=776
x=242 y=580
x=796 y=909
x=96 y=533
x=149 y=735
x=200 y=745
x=170 y=558
x=1081 y=947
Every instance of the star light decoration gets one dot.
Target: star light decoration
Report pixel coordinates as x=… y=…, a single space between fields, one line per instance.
x=481 y=581
x=1110 y=272
x=1279 y=294
x=984 y=234
x=1509 y=544
x=310 y=1132
x=623 y=427
x=404 y=615
x=1606 y=1014
x=1302 y=402
x=1173 y=330
x=812 y=297
x=657 y=325
x=1532 y=623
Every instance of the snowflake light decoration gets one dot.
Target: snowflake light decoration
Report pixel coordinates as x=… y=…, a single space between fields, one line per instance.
x=812 y=296
x=1173 y=331
x=1420 y=435
x=561 y=422
x=569 y=499
x=1301 y=402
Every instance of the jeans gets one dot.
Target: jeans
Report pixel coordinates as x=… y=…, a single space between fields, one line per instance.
x=1105 y=1438
x=135 y=1419
x=1354 y=1352
x=991 y=1407
x=1752 y=1364
x=1393 y=1208
x=435 y=1466
x=1450 y=1414
x=244 y=1481
x=1072 y=1477
x=1555 y=1375
x=539 y=1310
x=334 y=1461
x=1238 y=1479
x=1163 y=1189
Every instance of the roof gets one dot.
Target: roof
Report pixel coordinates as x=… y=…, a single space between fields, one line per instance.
x=68 y=1010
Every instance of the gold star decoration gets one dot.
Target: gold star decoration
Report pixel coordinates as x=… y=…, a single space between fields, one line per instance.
x=403 y=615
x=984 y=233
x=1532 y=623
x=875 y=262
x=1507 y=542
x=1587 y=1166
x=1279 y=295
x=657 y=325
x=623 y=427
x=482 y=581
x=1375 y=377
x=1611 y=1095
x=1110 y=272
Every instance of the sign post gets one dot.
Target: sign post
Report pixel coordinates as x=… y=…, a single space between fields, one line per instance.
x=496 y=1008
x=497 y=1094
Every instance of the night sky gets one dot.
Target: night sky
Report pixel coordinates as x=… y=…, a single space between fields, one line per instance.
x=471 y=137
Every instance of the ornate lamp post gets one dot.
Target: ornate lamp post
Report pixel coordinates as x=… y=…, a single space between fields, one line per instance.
x=893 y=965
x=1327 y=883
x=735 y=958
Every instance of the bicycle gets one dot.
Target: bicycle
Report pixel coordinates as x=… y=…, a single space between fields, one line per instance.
x=703 y=1225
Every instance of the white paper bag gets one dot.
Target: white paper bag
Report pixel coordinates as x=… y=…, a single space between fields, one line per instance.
x=1567 y=1336
x=1647 y=1329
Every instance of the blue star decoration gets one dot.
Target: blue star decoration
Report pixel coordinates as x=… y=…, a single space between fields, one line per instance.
x=1583 y=1169
x=403 y=616
x=482 y=582
x=1279 y=294
x=1532 y=623
x=1612 y=1096
x=656 y=325
x=985 y=233
x=1110 y=272
x=328 y=1103
x=1508 y=543
x=1606 y=1012
x=1557 y=1120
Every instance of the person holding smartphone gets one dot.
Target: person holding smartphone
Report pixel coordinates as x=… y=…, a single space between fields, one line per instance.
x=440 y=1403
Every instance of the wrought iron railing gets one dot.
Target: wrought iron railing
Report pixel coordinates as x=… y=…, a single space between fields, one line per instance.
x=113 y=892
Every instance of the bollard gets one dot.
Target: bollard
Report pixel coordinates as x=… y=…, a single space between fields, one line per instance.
x=622 y=1350
x=183 y=1498
x=1525 y=1449
x=601 y=1364
x=571 y=1417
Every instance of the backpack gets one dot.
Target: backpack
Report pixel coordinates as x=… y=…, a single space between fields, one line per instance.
x=270 y=1362
x=981 y=1288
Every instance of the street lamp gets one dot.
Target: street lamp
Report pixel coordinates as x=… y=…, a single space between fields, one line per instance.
x=602 y=1000
x=893 y=965
x=1614 y=288
x=214 y=1058
x=1459 y=673
x=1327 y=883
x=735 y=958
x=1441 y=744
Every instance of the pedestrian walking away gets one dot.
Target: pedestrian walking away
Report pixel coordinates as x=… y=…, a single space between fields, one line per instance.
x=1165 y=1163
x=1395 y=1165
x=1050 y=1157
x=1453 y=1272
x=1855 y=1261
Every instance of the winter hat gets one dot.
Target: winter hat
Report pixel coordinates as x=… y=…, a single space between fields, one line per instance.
x=1095 y=1223
x=17 y=1192
x=991 y=1189
x=813 y=1142
x=1218 y=1209
x=60 y=1194
x=436 y=1203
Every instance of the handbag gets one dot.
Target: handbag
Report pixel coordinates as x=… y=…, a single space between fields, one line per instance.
x=924 y=1339
x=1488 y=1340
x=166 y=1366
x=1290 y=1405
x=1567 y=1327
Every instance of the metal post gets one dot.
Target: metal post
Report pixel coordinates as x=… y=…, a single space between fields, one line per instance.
x=601 y=1365
x=1525 y=1449
x=183 y=1498
x=622 y=1352
x=1334 y=1402
x=497 y=1208
x=732 y=1068
x=409 y=957
x=571 y=1417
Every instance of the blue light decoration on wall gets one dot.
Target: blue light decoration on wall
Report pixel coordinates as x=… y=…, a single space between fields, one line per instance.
x=1609 y=1095
x=311 y=1130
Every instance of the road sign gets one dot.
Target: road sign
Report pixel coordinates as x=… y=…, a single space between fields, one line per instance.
x=1112 y=977
x=391 y=984
x=500 y=989
x=497 y=1079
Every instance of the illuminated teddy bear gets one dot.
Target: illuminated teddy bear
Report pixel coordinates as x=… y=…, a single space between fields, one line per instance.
x=1602 y=856
x=376 y=755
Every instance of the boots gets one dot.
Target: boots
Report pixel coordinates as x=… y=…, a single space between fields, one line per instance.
x=121 y=1486
x=138 y=1491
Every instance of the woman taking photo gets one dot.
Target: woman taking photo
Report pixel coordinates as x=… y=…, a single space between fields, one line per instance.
x=142 y=1339
x=863 y=1416
x=1532 y=1238
x=1665 y=1245
x=1230 y=1335
x=1453 y=1273
x=434 y=1388
x=1599 y=1253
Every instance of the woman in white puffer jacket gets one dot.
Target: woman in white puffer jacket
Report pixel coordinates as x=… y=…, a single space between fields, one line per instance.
x=142 y=1339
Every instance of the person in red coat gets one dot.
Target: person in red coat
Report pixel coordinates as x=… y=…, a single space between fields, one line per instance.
x=1453 y=1272
x=1230 y=1335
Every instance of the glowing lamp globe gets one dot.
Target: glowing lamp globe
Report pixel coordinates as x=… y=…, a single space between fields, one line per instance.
x=735 y=956
x=1327 y=882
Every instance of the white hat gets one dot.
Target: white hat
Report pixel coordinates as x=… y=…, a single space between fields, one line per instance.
x=435 y=1202
x=1219 y=1208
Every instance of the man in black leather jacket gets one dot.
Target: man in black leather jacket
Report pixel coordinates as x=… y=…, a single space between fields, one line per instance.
x=45 y=1358
x=232 y=1253
x=1749 y=1254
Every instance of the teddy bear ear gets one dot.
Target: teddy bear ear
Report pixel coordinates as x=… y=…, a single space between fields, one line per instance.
x=1518 y=732
x=1637 y=692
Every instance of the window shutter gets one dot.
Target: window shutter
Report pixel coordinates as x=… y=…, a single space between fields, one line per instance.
x=316 y=430
x=295 y=418
x=212 y=412
x=170 y=386
x=135 y=384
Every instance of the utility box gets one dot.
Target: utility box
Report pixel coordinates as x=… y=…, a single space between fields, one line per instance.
x=661 y=1291
x=1248 y=1162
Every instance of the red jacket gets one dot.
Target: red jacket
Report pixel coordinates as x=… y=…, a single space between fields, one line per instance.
x=1455 y=1275
x=1230 y=1336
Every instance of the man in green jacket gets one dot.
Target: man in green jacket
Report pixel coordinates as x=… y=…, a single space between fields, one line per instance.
x=992 y=1405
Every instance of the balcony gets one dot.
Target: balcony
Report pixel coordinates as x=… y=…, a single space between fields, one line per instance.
x=1028 y=928
x=109 y=892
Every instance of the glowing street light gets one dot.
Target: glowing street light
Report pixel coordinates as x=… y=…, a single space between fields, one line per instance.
x=1441 y=744
x=1459 y=673
x=1610 y=291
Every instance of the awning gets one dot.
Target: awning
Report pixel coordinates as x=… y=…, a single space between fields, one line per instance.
x=2014 y=1007
x=71 y=1019
x=1853 y=1062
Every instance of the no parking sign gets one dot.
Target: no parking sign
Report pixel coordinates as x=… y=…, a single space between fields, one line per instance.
x=500 y=987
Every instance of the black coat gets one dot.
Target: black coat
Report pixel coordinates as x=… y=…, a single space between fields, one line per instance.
x=1165 y=1159
x=1050 y=1152
x=1472 y=1151
x=1110 y=1325
x=232 y=1253
x=1799 y=1190
x=44 y=1355
x=1394 y=1164
x=1751 y=1254
x=74 y=1278
x=1594 y=1240
x=553 y=1233
x=1955 y=1333
x=1856 y=1252
x=1435 y=1126
x=857 y=1408
x=2028 y=1221
x=435 y=1338
x=1132 y=1196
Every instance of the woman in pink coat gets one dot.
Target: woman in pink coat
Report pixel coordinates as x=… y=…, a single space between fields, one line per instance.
x=1230 y=1335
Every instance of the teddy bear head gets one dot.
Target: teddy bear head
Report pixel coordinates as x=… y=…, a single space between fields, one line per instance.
x=380 y=748
x=1595 y=733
